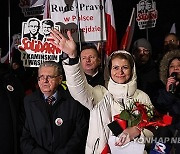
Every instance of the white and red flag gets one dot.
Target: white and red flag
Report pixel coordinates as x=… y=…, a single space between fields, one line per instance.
x=111 y=43
x=127 y=38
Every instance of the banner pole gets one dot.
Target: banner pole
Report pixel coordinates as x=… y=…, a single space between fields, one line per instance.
x=78 y=25
x=9 y=32
x=101 y=43
x=147 y=34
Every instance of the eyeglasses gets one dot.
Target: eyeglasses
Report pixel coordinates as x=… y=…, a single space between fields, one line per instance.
x=47 y=77
x=145 y=51
x=170 y=42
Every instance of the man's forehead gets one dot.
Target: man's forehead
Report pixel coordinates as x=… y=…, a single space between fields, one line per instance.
x=87 y=52
x=170 y=37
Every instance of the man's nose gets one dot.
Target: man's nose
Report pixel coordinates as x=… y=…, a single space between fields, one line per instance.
x=88 y=59
x=45 y=79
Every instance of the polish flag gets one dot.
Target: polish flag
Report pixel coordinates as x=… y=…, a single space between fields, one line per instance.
x=127 y=38
x=111 y=44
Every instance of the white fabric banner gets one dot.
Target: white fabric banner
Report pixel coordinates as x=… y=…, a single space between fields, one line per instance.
x=85 y=17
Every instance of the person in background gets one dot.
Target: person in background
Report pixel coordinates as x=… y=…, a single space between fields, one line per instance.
x=54 y=122
x=103 y=103
x=18 y=68
x=11 y=111
x=168 y=100
x=171 y=42
x=146 y=69
x=90 y=62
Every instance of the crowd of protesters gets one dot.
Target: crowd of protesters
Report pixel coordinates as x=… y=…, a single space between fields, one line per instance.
x=76 y=121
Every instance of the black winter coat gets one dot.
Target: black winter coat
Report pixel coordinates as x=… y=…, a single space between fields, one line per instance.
x=41 y=134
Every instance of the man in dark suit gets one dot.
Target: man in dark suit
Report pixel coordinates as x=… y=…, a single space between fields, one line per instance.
x=34 y=26
x=55 y=122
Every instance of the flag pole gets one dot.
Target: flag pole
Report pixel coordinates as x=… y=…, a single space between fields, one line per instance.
x=147 y=34
x=78 y=25
x=100 y=44
x=9 y=31
x=132 y=14
x=130 y=22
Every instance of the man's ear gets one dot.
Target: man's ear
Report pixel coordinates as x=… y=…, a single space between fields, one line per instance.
x=60 y=79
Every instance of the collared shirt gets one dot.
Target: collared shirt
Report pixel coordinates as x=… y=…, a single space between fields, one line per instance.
x=95 y=73
x=34 y=36
x=55 y=96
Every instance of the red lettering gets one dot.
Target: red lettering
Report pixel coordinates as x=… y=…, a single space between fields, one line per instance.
x=73 y=18
x=38 y=46
x=83 y=18
x=147 y=16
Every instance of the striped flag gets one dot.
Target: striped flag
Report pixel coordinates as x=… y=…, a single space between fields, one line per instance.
x=127 y=38
x=111 y=43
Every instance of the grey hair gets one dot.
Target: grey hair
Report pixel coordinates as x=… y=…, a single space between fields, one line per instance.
x=54 y=64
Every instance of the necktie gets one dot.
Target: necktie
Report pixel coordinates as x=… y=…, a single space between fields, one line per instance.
x=33 y=37
x=50 y=100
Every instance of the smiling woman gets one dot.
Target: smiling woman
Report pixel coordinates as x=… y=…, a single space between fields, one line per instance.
x=103 y=103
x=121 y=66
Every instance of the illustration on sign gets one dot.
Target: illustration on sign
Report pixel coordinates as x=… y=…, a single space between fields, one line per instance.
x=146 y=14
x=35 y=44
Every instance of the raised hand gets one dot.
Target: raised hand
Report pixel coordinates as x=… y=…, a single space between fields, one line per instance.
x=67 y=45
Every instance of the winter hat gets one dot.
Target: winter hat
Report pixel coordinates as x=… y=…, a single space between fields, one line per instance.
x=141 y=43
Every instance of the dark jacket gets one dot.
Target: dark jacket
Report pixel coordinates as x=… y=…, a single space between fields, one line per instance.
x=39 y=36
x=98 y=79
x=167 y=102
x=41 y=135
x=148 y=78
x=11 y=111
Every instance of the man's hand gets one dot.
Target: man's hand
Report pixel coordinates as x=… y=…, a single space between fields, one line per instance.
x=68 y=46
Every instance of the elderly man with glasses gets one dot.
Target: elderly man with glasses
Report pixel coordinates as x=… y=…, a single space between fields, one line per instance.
x=55 y=122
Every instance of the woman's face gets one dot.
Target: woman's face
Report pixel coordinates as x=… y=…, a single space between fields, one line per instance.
x=121 y=70
x=175 y=67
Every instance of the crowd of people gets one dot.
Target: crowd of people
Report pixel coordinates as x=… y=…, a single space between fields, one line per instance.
x=40 y=116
